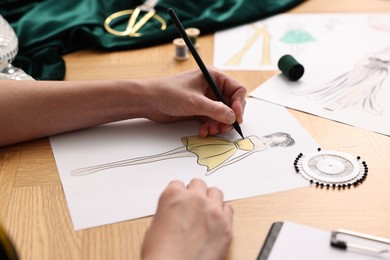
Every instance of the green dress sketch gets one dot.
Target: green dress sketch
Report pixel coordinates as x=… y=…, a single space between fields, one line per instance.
x=297 y=38
x=213 y=152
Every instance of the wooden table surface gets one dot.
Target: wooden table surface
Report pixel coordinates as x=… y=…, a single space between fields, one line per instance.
x=33 y=209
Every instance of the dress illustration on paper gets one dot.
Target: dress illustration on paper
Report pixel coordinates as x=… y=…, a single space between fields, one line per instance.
x=213 y=152
x=357 y=88
x=266 y=45
x=297 y=37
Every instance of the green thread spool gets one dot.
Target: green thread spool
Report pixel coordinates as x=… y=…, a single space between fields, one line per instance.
x=290 y=67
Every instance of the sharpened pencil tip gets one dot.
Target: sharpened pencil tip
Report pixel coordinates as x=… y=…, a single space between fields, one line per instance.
x=238 y=129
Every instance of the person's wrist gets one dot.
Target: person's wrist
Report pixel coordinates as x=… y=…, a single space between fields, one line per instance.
x=152 y=98
x=134 y=96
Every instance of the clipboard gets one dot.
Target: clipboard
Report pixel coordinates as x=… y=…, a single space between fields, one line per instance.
x=289 y=240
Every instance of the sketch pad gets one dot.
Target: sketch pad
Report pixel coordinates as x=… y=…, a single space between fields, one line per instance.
x=288 y=240
x=116 y=172
x=348 y=85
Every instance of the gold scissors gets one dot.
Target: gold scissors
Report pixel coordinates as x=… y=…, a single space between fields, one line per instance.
x=133 y=26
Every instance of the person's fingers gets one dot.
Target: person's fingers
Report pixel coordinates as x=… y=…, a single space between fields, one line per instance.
x=197 y=184
x=228 y=210
x=228 y=86
x=176 y=184
x=204 y=130
x=173 y=189
x=214 y=128
x=239 y=107
x=215 y=110
x=215 y=195
x=233 y=92
x=225 y=128
x=211 y=127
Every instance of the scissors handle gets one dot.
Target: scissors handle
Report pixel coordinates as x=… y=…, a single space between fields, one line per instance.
x=132 y=20
x=133 y=26
x=147 y=6
x=132 y=32
x=142 y=22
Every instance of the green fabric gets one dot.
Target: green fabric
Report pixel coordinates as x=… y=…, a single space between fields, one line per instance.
x=47 y=29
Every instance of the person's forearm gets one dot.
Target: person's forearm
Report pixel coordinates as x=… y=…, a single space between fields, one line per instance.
x=34 y=109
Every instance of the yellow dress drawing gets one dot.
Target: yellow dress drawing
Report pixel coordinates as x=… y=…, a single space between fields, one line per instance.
x=266 y=51
x=213 y=152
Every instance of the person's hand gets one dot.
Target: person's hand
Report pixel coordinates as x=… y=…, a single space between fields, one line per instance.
x=188 y=95
x=190 y=223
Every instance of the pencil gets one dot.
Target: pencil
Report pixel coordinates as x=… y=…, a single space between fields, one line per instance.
x=200 y=63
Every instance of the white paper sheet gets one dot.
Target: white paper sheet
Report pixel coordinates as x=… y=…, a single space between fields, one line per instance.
x=346 y=79
x=297 y=241
x=260 y=45
x=129 y=192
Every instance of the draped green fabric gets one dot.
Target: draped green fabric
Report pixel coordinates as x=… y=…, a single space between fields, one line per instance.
x=47 y=29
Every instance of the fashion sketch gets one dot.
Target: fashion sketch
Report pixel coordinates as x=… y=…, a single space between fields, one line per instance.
x=296 y=36
x=265 y=56
x=357 y=88
x=213 y=152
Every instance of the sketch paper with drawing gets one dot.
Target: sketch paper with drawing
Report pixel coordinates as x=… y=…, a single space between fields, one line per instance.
x=259 y=45
x=212 y=151
x=347 y=79
x=116 y=172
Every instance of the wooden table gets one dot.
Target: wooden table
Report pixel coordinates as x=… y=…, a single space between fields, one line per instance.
x=33 y=208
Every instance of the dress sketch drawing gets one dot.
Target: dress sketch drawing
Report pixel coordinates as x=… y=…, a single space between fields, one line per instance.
x=266 y=51
x=297 y=37
x=213 y=152
x=357 y=88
